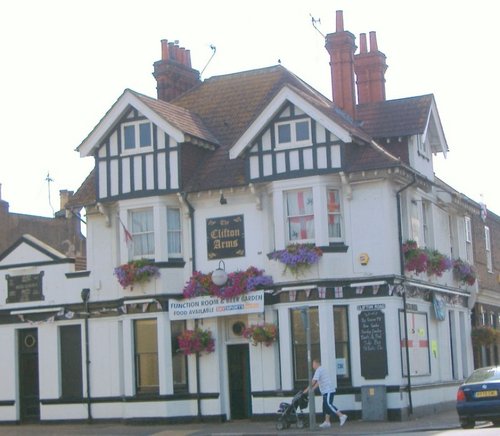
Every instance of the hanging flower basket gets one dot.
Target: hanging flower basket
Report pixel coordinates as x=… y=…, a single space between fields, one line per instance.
x=136 y=271
x=484 y=335
x=297 y=257
x=421 y=260
x=238 y=282
x=437 y=263
x=195 y=341
x=464 y=272
x=261 y=334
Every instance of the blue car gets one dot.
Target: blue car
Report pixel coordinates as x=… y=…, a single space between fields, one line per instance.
x=478 y=398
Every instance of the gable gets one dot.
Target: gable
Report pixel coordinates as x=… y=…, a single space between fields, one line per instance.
x=29 y=250
x=293 y=144
x=287 y=95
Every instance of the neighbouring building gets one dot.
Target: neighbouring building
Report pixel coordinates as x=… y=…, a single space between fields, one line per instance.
x=63 y=231
x=324 y=215
x=485 y=235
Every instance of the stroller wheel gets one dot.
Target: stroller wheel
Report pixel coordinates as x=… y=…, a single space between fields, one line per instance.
x=300 y=424
x=280 y=425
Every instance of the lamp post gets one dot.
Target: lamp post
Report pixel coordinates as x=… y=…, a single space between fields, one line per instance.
x=304 y=311
x=85 y=295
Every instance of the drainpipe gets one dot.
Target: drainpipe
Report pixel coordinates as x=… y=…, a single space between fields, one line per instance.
x=85 y=294
x=183 y=198
x=402 y=272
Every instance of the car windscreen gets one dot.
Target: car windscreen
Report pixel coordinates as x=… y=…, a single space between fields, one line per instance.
x=484 y=374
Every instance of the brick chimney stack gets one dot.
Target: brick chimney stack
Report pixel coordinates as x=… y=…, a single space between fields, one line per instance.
x=370 y=69
x=341 y=47
x=173 y=73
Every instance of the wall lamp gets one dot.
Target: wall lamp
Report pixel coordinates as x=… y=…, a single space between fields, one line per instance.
x=219 y=276
x=223 y=200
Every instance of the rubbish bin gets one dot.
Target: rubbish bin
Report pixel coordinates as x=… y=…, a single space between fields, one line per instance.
x=374 y=403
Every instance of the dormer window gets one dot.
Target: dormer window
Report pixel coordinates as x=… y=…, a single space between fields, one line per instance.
x=137 y=136
x=296 y=133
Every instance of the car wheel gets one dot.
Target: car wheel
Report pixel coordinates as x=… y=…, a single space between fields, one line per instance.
x=300 y=424
x=496 y=423
x=279 y=425
x=467 y=423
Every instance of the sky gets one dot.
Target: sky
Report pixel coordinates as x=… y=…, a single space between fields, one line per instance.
x=65 y=62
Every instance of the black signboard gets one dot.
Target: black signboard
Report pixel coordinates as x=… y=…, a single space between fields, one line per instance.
x=225 y=237
x=24 y=288
x=372 y=344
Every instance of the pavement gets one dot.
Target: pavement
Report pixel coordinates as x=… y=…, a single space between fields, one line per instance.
x=444 y=420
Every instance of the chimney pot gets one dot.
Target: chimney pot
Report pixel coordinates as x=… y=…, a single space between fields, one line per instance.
x=164 y=50
x=362 y=43
x=339 y=21
x=373 y=41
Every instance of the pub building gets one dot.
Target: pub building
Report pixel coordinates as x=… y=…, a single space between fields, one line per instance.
x=227 y=218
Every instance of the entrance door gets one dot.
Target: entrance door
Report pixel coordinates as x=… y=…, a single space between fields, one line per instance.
x=239 y=381
x=28 y=375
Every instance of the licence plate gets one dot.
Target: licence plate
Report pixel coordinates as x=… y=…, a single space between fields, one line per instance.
x=486 y=394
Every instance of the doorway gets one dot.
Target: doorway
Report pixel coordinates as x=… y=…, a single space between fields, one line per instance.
x=239 y=381
x=29 y=396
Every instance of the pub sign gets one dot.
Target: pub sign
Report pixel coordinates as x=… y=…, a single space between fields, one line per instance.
x=225 y=237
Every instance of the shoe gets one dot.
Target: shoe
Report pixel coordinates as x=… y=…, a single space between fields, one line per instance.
x=343 y=419
x=325 y=425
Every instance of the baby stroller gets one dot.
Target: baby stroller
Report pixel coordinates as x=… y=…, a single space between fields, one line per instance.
x=292 y=413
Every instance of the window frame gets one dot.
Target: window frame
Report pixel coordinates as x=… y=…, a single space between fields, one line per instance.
x=135 y=234
x=298 y=355
x=487 y=246
x=342 y=342
x=468 y=239
x=293 y=143
x=340 y=238
x=70 y=352
x=139 y=388
x=288 y=217
x=137 y=147
x=174 y=231
x=179 y=360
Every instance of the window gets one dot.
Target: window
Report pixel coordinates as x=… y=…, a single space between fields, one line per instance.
x=179 y=360
x=299 y=344
x=146 y=356
x=342 y=345
x=334 y=215
x=487 y=243
x=468 y=239
x=425 y=224
x=137 y=135
x=70 y=340
x=292 y=133
x=174 y=232
x=300 y=215
x=142 y=229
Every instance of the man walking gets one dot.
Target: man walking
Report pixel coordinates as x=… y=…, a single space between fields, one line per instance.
x=322 y=379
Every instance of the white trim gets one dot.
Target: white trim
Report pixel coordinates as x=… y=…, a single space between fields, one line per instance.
x=435 y=288
x=108 y=122
x=144 y=300
x=286 y=94
x=28 y=311
x=357 y=285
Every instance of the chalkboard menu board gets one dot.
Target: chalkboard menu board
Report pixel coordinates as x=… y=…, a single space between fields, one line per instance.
x=372 y=343
x=24 y=288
